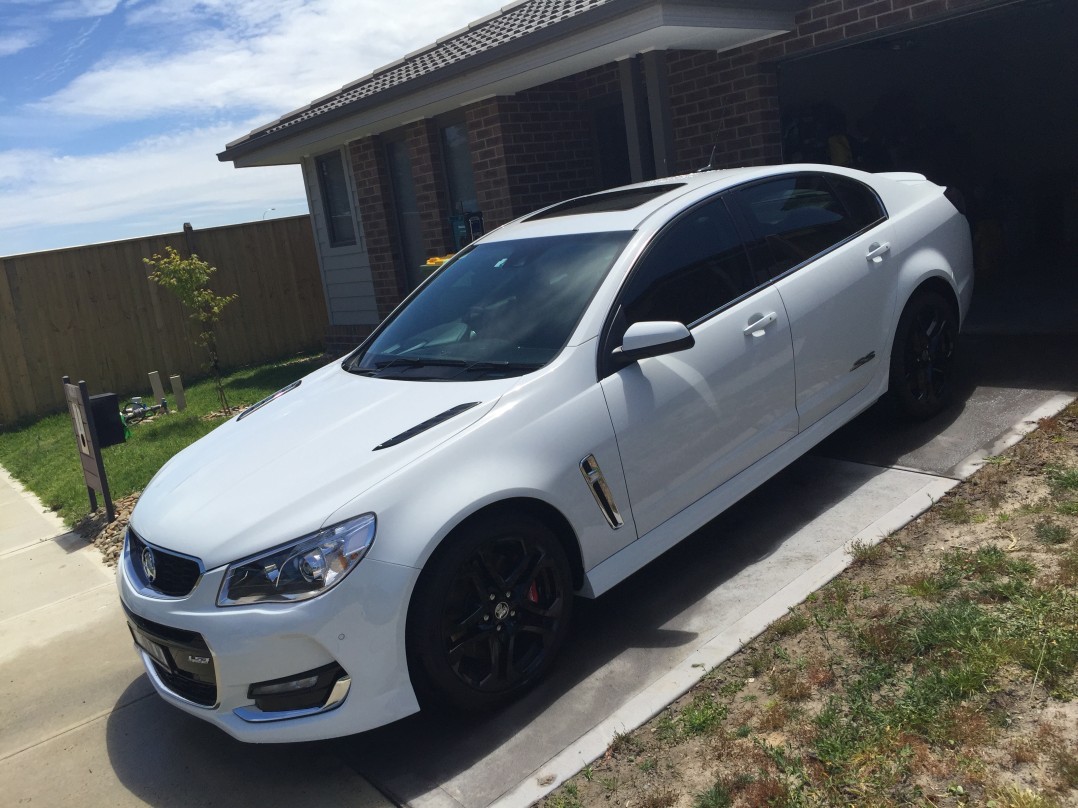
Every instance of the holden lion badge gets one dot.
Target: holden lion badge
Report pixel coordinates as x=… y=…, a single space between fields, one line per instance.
x=149 y=564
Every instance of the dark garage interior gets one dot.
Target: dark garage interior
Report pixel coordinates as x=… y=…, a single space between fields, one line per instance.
x=986 y=104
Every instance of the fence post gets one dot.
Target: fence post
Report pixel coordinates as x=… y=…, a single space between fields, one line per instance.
x=189 y=238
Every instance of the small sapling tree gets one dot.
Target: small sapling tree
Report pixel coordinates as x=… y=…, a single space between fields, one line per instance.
x=188 y=279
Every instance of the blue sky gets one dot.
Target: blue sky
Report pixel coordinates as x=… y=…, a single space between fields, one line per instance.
x=112 y=112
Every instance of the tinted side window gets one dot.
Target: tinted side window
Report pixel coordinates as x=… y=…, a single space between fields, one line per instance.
x=698 y=265
x=861 y=201
x=795 y=218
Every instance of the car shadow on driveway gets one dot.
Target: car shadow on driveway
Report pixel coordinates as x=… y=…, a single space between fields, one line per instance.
x=999 y=380
x=169 y=759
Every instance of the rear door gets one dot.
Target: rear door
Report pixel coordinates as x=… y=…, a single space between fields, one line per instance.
x=688 y=421
x=826 y=241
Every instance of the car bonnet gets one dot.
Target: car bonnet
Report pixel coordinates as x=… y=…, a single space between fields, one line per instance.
x=278 y=473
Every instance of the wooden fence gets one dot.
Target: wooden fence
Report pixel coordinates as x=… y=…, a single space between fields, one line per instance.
x=92 y=313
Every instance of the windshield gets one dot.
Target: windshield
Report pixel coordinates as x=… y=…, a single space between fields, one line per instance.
x=501 y=309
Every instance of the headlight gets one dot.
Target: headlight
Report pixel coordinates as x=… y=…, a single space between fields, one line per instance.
x=300 y=569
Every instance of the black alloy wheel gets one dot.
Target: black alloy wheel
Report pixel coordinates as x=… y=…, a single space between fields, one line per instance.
x=922 y=360
x=490 y=614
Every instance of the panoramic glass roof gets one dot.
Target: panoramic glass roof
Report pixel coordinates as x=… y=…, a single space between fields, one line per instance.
x=606 y=202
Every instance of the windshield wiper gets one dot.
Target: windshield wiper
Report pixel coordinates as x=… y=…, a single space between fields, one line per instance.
x=378 y=368
x=417 y=362
x=505 y=365
x=410 y=362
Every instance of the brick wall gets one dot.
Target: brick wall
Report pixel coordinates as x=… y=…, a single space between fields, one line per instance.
x=730 y=99
x=488 y=123
x=537 y=147
x=341 y=339
x=550 y=146
x=727 y=101
x=379 y=225
x=599 y=82
x=431 y=189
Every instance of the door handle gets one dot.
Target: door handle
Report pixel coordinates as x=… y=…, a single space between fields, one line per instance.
x=876 y=251
x=757 y=326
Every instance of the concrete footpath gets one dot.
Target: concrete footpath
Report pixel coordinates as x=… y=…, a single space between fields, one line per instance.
x=80 y=723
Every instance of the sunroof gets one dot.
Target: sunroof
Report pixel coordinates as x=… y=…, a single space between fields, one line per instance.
x=607 y=201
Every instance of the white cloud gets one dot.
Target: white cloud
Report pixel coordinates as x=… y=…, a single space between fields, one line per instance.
x=13 y=42
x=80 y=9
x=263 y=56
x=66 y=58
x=196 y=62
x=154 y=186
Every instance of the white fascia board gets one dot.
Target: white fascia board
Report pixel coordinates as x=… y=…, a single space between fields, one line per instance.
x=668 y=27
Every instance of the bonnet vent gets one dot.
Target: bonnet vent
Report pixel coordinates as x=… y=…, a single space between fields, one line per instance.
x=423 y=427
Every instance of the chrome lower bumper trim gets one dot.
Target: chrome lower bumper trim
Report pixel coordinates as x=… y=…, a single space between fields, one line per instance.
x=151 y=671
x=336 y=698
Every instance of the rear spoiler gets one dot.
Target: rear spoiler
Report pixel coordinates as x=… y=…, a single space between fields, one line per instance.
x=908 y=177
x=954 y=196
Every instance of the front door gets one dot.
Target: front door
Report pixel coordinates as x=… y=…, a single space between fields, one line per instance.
x=689 y=421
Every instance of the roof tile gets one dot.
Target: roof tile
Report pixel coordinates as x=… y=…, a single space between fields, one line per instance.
x=512 y=22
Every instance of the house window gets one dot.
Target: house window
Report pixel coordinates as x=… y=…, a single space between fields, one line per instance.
x=335 y=202
x=458 y=168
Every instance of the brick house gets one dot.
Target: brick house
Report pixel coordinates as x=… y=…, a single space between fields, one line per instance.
x=548 y=99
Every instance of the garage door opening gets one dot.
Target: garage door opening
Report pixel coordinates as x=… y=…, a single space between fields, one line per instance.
x=986 y=104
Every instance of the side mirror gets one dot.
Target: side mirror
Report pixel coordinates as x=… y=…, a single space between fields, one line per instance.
x=642 y=340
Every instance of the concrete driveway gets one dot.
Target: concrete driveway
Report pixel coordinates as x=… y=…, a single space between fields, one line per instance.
x=81 y=725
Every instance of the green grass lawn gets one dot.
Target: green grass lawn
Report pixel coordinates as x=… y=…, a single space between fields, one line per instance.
x=43 y=456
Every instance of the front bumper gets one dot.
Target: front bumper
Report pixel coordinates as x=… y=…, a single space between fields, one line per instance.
x=203 y=658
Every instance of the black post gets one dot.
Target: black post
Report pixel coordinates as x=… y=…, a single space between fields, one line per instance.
x=82 y=422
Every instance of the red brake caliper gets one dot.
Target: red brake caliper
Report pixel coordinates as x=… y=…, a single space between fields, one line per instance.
x=533 y=593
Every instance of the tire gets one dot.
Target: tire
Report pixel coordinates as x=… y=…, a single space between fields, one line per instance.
x=490 y=614
x=922 y=359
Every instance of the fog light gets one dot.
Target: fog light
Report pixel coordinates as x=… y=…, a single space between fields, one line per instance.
x=283 y=687
x=303 y=691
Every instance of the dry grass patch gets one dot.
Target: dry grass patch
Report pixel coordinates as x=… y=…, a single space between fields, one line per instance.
x=940 y=669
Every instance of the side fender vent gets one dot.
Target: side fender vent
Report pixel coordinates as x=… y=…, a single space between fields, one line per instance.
x=593 y=476
x=423 y=427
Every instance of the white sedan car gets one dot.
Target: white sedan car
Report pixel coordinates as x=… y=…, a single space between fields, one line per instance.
x=563 y=401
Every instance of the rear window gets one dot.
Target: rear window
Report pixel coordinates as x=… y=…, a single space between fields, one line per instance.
x=861 y=201
x=795 y=218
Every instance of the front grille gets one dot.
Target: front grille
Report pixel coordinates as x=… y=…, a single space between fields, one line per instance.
x=173 y=653
x=186 y=687
x=175 y=575
x=167 y=634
